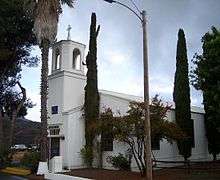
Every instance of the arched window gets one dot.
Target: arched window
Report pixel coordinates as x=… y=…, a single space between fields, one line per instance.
x=57 y=60
x=76 y=59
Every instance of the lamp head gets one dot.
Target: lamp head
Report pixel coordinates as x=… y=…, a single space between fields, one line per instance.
x=109 y=1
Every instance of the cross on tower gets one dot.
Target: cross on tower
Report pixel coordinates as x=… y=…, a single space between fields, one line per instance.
x=69 y=29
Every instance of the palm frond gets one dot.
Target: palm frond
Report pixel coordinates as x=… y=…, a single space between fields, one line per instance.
x=68 y=2
x=46 y=19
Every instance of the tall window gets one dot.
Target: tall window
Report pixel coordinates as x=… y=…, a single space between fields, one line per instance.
x=76 y=59
x=57 y=60
x=106 y=142
x=155 y=143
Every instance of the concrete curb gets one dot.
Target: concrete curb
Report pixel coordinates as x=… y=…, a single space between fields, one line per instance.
x=53 y=176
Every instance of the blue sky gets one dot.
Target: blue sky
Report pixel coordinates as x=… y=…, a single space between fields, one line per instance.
x=120 y=44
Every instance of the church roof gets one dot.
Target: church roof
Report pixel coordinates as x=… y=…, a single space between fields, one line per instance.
x=129 y=97
x=121 y=95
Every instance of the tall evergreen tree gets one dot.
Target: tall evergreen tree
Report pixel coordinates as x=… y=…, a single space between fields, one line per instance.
x=206 y=77
x=91 y=106
x=181 y=96
x=16 y=39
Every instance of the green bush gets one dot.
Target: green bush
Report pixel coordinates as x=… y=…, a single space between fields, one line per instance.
x=31 y=161
x=4 y=158
x=120 y=162
x=87 y=155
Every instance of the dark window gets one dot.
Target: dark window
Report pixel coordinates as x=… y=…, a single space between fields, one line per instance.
x=155 y=143
x=107 y=142
x=54 y=110
x=55 y=147
x=57 y=60
x=76 y=59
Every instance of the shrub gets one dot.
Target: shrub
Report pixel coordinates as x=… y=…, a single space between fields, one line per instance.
x=120 y=162
x=31 y=160
x=4 y=158
x=87 y=155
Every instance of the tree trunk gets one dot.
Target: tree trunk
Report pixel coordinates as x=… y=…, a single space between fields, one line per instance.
x=99 y=152
x=15 y=113
x=44 y=92
x=136 y=160
x=13 y=119
x=1 y=131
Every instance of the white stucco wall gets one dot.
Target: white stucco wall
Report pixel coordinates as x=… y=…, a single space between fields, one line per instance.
x=73 y=91
x=55 y=97
x=75 y=139
x=200 y=151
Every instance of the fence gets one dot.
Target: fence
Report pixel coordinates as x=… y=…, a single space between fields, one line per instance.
x=187 y=165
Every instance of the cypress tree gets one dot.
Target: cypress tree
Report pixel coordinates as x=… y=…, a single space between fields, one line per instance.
x=181 y=97
x=91 y=106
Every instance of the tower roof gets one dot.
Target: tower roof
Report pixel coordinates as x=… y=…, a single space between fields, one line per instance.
x=68 y=41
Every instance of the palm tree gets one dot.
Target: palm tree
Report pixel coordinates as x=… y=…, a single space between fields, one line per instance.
x=45 y=28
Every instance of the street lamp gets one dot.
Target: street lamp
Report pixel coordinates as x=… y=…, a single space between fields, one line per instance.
x=141 y=15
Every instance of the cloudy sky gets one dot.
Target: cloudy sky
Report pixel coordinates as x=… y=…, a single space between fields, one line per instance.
x=120 y=43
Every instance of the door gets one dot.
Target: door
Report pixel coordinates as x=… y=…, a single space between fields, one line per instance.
x=55 y=147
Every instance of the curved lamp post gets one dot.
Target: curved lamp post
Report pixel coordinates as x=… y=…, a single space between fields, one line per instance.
x=141 y=15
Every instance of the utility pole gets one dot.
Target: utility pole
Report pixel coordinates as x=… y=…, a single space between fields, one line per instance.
x=147 y=139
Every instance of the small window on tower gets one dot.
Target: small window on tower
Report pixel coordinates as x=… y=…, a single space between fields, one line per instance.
x=54 y=110
x=76 y=59
x=57 y=60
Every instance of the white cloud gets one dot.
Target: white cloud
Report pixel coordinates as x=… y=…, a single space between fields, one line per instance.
x=131 y=87
x=157 y=88
x=161 y=84
x=117 y=57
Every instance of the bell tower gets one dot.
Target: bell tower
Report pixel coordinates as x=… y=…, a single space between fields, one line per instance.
x=67 y=79
x=66 y=129
x=68 y=55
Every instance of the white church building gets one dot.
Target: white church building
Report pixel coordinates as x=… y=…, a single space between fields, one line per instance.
x=66 y=126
